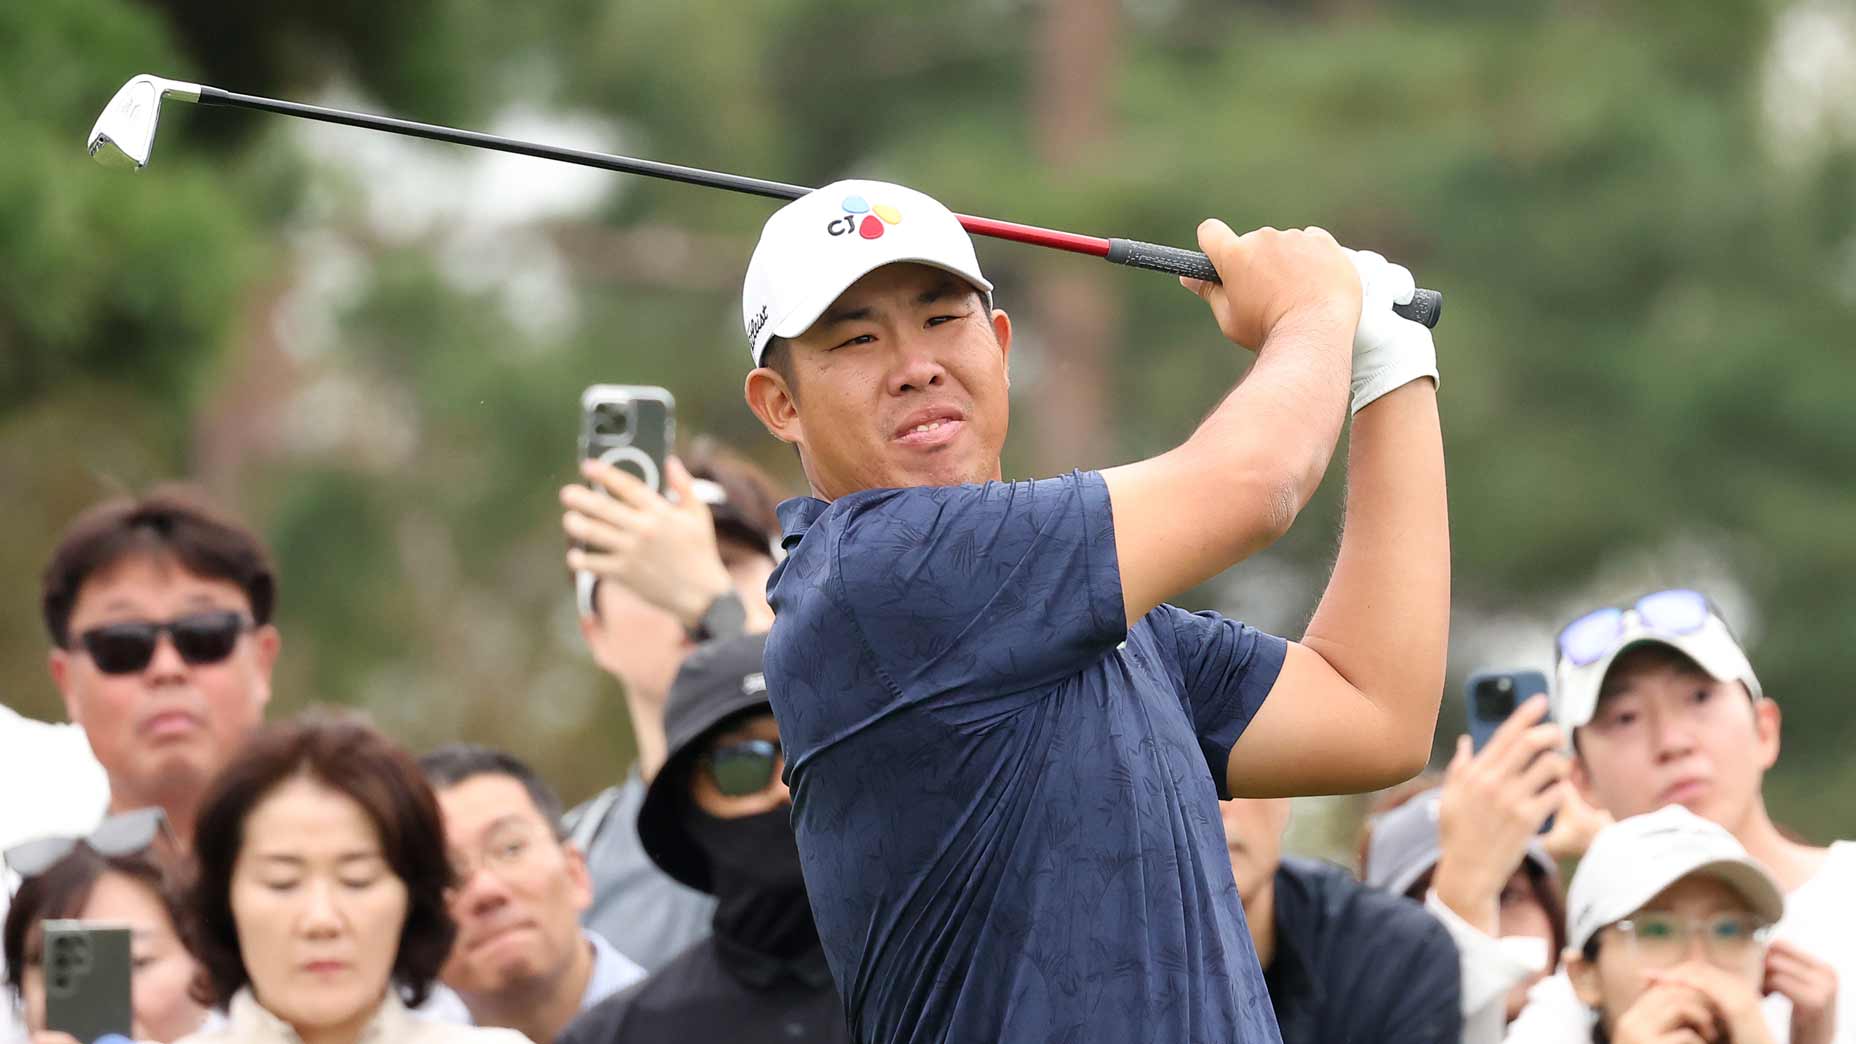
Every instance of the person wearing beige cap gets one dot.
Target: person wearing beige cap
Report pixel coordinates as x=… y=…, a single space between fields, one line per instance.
x=1668 y=921
x=1659 y=705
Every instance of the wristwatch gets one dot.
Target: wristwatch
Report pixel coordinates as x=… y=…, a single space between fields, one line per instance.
x=726 y=617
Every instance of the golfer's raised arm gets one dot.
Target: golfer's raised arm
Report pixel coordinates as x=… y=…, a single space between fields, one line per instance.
x=1240 y=480
x=1356 y=703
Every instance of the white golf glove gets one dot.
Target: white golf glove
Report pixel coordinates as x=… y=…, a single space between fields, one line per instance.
x=1388 y=351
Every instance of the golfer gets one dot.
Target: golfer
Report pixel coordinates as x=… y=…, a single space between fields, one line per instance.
x=1005 y=750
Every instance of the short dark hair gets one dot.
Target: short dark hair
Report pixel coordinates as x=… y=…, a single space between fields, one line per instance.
x=63 y=890
x=344 y=753
x=167 y=522
x=456 y=762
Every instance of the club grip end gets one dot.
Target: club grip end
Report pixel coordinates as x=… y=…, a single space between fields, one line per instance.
x=1426 y=307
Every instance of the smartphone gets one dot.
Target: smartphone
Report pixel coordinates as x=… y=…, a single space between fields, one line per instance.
x=87 y=970
x=1493 y=696
x=631 y=427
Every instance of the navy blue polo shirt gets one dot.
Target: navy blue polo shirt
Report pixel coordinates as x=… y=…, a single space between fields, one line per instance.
x=1006 y=799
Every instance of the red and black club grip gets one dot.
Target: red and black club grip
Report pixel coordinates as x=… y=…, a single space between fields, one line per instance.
x=1426 y=307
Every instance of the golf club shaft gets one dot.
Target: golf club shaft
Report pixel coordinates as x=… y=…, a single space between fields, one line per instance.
x=1426 y=306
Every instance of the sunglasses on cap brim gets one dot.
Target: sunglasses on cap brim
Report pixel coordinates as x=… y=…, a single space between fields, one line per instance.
x=1594 y=636
x=124 y=834
x=199 y=638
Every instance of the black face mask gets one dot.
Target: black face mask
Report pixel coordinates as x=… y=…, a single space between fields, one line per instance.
x=760 y=893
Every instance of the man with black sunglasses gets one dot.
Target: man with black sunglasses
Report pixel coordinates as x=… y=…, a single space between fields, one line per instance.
x=1660 y=706
x=159 y=615
x=716 y=818
x=159 y=612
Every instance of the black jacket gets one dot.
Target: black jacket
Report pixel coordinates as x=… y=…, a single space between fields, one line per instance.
x=1355 y=965
x=716 y=992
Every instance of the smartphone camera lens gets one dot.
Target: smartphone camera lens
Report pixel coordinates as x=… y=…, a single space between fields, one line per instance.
x=613 y=420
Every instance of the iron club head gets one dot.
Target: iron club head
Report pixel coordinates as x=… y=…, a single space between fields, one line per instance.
x=125 y=132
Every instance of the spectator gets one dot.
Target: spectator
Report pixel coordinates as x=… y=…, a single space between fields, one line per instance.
x=1660 y=706
x=717 y=819
x=114 y=876
x=521 y=958
x=684 y=572
x=1343 y=962
x=1667 y=921
x=318 y=907
x=1518 y=935
x=159 y=613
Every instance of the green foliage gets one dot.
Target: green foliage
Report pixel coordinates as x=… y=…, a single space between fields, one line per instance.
x=1644 y=345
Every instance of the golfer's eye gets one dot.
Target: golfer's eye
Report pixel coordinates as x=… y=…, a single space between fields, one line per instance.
x=859 y=339
x=939 y=319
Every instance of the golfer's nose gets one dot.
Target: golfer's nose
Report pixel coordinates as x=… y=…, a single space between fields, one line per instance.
x=916 y=367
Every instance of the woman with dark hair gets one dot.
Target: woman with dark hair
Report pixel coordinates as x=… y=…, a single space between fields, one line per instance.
x=318 y=906
x=128 y=886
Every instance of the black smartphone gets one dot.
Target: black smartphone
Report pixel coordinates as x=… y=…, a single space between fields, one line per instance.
x=631 y=427
x=87 y=968
x=1493 y=696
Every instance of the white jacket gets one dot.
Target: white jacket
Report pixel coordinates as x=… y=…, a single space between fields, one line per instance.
x=247 y=1022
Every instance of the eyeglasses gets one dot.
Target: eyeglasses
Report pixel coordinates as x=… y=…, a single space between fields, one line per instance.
x=123 y=834
x=1588 y=639
x=743 y=768
x=505 y=849
x=1663 y=939
x=200 y=638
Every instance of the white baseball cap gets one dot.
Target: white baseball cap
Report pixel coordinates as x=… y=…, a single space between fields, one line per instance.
x=815 y=247
x=1682 y=619
x=1633 y=860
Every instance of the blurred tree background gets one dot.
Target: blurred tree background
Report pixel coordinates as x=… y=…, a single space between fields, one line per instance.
x=1642 y=216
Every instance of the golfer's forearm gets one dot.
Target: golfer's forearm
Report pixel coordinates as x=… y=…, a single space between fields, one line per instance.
x=1383 y=622
x=1275 y=432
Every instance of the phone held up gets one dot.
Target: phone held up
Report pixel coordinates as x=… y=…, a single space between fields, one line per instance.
x=630 y=426
x=87 y=970
x=1494 y=695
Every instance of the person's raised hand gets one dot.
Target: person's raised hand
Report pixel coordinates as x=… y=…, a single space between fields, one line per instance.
x=1666 y=1014
x=1811 y=986
x=1490 y=809
x=1576 y=823
x=662 y=549
x=1270 y=276
x=1733 y=1001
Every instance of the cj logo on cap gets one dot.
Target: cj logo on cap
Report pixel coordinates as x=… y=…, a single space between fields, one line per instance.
x=862 y=218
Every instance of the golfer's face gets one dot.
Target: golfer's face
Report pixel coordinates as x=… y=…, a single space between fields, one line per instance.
x=902 y=382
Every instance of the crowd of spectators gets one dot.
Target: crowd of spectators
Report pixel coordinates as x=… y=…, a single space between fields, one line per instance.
x=308 y=880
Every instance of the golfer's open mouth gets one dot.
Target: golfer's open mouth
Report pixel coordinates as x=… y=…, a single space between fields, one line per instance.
x=935 y=426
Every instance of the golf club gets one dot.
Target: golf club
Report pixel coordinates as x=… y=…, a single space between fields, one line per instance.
x=125 y=134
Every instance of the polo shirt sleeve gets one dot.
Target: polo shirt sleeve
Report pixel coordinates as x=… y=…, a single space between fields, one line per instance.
x=1227 y=668
x=1001 y=587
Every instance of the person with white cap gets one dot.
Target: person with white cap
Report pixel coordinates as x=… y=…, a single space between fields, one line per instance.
x=1667 y=922
x=1005 y=750
x=1660 y=706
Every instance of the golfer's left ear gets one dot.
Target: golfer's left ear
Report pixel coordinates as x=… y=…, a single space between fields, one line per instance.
x=772 y=401
x=1002 y=331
